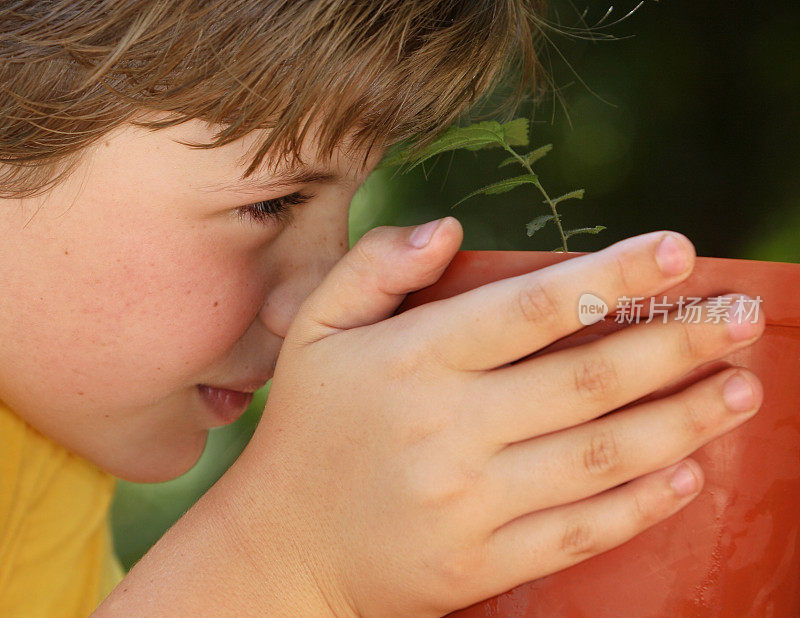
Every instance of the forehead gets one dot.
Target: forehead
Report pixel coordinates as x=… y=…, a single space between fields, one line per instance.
x=277 y=179
x=273 y=172
x=175 y=155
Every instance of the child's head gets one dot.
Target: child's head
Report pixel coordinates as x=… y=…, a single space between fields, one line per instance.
x=132 y=272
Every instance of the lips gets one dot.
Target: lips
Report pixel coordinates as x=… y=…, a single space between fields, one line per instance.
x=226 y=404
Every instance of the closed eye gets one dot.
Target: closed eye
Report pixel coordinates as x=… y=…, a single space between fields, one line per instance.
x=275 y=210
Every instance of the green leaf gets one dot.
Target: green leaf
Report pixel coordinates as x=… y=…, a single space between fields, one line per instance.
x=507 y=184
x=585 y=230
x=477 y=136
x=502 y=186
x=572 y=195
x=530 y=158
x=538 y=223
x=516 y=132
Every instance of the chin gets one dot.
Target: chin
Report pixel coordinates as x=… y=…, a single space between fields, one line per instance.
x=161 y=463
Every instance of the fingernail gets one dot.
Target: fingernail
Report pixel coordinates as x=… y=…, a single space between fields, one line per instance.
x=740 y=328
x=683 y=481
x=738 y=394
x=422 y=234
x=672 y=256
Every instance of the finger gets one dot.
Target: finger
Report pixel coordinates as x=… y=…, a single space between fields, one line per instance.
x=371 y=280
x=542 y=543
x=503 y=321
x=570 y=465
x=573 y=385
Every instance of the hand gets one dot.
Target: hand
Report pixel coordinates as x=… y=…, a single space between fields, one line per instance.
x=416 y=472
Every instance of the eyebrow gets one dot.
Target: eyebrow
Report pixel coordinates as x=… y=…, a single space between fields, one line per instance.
x=277 y=181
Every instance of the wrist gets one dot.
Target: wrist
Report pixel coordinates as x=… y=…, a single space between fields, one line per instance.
x=284 y=571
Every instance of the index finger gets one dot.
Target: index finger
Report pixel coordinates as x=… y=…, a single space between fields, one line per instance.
x=506 y=320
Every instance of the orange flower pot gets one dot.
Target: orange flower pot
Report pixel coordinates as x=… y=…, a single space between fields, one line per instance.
x=735 y=550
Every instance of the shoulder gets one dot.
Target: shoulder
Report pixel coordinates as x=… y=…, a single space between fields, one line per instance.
x=53 y=524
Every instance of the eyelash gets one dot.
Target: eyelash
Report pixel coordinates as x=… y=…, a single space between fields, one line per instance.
x=278 y=209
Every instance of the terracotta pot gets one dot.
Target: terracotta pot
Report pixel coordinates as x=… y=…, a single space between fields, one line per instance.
x=735 y=550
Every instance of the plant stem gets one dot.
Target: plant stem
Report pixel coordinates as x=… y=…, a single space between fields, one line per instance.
x=557 y=217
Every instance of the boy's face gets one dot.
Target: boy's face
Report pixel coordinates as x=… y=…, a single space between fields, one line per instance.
x=136 y=281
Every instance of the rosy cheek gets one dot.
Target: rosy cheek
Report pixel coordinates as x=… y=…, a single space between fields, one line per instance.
x=196 y=311
x=158 y=319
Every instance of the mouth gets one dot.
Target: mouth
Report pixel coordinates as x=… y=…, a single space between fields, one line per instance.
x=225 y=404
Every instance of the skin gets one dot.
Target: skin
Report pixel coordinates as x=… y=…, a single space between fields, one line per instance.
x=130 y=284
x=401 y=467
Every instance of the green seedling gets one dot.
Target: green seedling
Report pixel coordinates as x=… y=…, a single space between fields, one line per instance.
x=492 y=134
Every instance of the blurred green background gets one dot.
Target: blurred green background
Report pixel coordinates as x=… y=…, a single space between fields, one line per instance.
x=687 y=121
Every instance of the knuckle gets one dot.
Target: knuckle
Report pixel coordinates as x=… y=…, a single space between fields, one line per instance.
x=578 y=540
x=595 y=378
x=621 y=268
x=536 y=303
x=418 y=352
x=405 y=361
x=688 y=343
x=645 y=512
x=442 y=487
x=420 y=485
x=696 y=420
x=457 y=483
x=375 y=234
x=459 y=572
x=417 y=429
x=369 y=248
x=411 y=358
x=366 y=253
x=435 y=354
x=601 y=455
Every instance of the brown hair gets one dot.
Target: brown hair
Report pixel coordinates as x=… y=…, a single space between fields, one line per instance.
x=383 y=70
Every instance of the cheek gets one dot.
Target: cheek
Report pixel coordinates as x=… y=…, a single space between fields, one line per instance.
x=126 y=322
x=178 y=312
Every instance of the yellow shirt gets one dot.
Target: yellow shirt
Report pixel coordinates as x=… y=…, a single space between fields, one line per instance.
x=56 y=554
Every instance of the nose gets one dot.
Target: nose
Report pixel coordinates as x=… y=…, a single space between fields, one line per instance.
x=303 y=267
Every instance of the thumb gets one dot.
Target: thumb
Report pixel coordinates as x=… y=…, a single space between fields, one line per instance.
x=371 y=280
